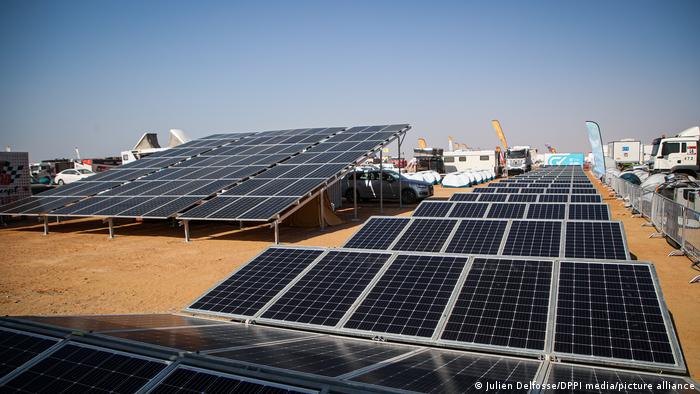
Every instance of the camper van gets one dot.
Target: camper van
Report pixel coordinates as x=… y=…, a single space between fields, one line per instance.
x=471 y=160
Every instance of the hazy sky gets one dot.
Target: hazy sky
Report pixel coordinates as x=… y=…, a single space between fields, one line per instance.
x=97 y=74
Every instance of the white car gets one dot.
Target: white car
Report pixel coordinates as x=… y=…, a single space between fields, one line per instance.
x=71 y=175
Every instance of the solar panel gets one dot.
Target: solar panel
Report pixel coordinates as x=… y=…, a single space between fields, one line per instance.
x=250 y=288
x=16 y=348
x=37 y=205
x=602 y=379
x=377 y=233
x=502 y=303
x=493 y=197
x=554 y=198
x=235 y=207
x=469 y=210
x=507 y=211
x=410 y=297
x=464 y=197
x=268 y=208
x=433 y=209
x=97 y=323
x=612 y=311
x=325 y=293
x=597 y=240
x=583 y=190
x=533 y=238
x=586 y=198
x=477 y=237
x=194 y=380
x=300 y=187
x=84 y=368
x=326 y=356
x=546 y=211
x=589 y=212
x=425 y=235
x=522 y=198
x=444 y=371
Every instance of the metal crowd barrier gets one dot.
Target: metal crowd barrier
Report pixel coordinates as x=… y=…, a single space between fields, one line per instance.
x=675 y=221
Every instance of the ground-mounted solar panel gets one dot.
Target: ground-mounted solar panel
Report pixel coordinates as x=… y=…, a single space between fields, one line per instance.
x=377 y=233
x=37 y=205
x=223 y=207
x=266 y=209
x=464 y=197
x=477 y=237
x=324 y=356
x=522 y=198
x=612 y=311
x=410 y=297
x=484 y=190
x=502 y=303
x=546 y=211
x=554 y=198
x=436 y=209
x=17 y=348
x=493 y=197
x=83 y=368
x=599 y=380
x=187 y=379
x=98 y=323
x=595 y=240
x=508 y=190
x=301 y=187
x=586 y=198
x=469 y=209
x=445 y=371
x=325 y=293
x=425 y=235
x=507 y=211
x=533 y=238
x=558 y=190
x=589 y=212
x=248 y=289
x=583 y=190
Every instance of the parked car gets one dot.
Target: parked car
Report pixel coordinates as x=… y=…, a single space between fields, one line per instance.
x=71 y=175
x=368 y=186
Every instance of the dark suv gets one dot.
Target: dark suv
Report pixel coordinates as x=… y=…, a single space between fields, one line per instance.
x=368 y=186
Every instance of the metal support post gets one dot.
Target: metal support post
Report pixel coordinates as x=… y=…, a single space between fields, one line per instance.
x=186 y=224
x=321 y=216
x=399 y=165
x=354 y=192
x=381 y=180
x=110 y=222
x=46 y=225
x=277 y=233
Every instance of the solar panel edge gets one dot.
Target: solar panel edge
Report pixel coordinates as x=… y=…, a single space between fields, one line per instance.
x=34 y=359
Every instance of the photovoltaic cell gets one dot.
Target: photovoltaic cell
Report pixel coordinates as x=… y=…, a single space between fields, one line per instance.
x=546 y=211
x=443 y=371
x=502 y=303
x=235 y=209
x=599 y=377
x=533 y=238
x=377 y=233
x=17 y=348
x=191 y=380
x=477 y=237
x=81 y=368
x=433 y=209
x=507 y=211
x=554 y=198
x=610 y=310
x=425 y=235
x=589 y=198
x=588 y=212
x=327 y=291
x=597 y=240
x=251 y=287
x=464 y=197
x=469 y=210
x=410 y=297
x=493 y=197
x=522 y=198
x=268 y=208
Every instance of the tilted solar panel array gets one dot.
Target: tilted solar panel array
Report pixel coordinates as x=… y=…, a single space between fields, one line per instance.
x=513 y=210
x=524 y=197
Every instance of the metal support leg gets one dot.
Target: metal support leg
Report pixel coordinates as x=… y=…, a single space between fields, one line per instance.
x=321 y=216
x=110 y=221
x=354 y=192
x=399 y=165
x=240 y=225
x=186 y=224
x=381 y=180
x=46 y=225
x=277 y=233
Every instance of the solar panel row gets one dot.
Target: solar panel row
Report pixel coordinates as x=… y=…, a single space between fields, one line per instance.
x=512 y=210
x=521 y=197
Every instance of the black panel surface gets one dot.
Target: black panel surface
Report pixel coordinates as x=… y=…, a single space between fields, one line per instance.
x=477 y=237
x=469 y=210
x=189 y=380
x=17 y=348
x=601 y=378
x=464 y=197
x=598 y=240
x=377 y=233
x=410 y=297
x=507 y=211
x=433 y=209
x=119 y=322
x=546 y=211
x=251 y=287
x=425 y=235
x=503 y=303
x=589 y=212
x=533 y=238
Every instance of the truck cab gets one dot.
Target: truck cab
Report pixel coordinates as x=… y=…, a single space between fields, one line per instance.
x=518 y=159
x=677 y=154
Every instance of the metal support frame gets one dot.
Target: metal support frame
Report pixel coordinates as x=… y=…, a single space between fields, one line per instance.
x=354 y=192
x=276 y=226
x=46 y=225
x=381 y=180
x=186 y=224
x=399 y=140
x=110 y=223
x=321 y=215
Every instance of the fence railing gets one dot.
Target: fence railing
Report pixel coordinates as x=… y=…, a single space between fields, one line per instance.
x=675 y=221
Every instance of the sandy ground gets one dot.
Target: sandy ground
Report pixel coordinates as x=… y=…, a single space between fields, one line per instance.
x=149 y=268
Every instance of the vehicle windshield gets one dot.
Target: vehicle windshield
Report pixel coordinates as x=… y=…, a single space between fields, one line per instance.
x=516 y=154
x=84 y=171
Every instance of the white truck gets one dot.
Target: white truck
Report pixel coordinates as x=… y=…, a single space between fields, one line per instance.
x=625 y=151
x=677 y=154
x=518 y=159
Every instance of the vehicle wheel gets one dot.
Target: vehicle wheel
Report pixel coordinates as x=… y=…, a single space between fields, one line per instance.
x=408 y=196
x=350 y=195
x=60 y=182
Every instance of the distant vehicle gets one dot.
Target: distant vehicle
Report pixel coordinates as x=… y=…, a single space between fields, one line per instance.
x=677 y=154
x=518 y=159
x=472 y=160
x=39 y=185
x=625 y=151
x=368 y=185
x=69 y=176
